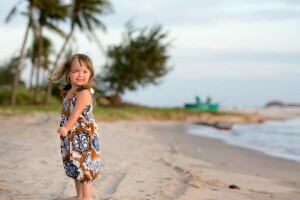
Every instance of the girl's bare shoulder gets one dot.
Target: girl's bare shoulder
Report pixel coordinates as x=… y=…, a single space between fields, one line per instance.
x=84 y=96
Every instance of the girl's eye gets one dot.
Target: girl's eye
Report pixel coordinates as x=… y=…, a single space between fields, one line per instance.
x=85 y=72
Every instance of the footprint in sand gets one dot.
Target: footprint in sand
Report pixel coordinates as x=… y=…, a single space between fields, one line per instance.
x=40 y=161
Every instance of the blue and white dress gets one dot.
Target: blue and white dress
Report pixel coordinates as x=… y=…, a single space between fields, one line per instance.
x=80 y=148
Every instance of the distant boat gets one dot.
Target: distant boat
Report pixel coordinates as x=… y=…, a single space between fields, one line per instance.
x=202 y=106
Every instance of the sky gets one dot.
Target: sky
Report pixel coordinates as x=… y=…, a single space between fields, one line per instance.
x=242 y=53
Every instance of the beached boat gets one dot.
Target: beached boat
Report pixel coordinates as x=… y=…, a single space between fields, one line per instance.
x=202 y=106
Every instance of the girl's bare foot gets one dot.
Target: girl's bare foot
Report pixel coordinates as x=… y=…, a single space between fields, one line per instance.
x=73 y=198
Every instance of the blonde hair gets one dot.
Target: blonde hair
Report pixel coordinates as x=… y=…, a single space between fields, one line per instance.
x=65 y=69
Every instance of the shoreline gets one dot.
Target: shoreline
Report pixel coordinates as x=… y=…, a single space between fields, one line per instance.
x=228 y=137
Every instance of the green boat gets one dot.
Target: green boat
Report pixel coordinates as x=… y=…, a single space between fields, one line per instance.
x=202 y=106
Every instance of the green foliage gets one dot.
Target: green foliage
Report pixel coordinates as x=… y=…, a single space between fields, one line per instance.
x=4 y=95
x=6 y=74
x=85 y=13
x=140 y=59
x=32 y=52
x=7 y=71
x=24 y=96
x=56 y=90
x=49 y=13
x=114 y=113
x=148 y=113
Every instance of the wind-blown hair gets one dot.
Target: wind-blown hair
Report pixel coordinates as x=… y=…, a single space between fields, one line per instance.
x=65 y=68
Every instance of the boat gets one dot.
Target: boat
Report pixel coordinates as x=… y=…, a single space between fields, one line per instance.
x=202 y=106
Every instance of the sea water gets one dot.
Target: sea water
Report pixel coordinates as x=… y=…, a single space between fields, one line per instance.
x=275 y=138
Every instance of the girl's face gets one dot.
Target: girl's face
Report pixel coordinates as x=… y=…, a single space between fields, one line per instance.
x=79 y=74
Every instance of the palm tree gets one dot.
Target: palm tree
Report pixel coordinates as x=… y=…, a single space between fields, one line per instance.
x=32 y=54
x=84 y=15
x=50 y=11
x=29 y=15
x=47 y=51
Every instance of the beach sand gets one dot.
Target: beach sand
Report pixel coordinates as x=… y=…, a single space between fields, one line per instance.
x=140 y=160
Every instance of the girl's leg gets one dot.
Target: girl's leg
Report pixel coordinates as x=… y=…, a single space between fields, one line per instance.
x=87 y=191
x=79 y=189
x=79 y=192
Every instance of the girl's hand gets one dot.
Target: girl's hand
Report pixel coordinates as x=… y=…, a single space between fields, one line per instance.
x=63 y=131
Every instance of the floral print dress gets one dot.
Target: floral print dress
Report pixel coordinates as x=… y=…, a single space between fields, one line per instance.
x=80 y=149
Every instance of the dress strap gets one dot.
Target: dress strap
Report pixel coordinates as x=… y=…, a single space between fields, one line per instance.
x=80 y=89
x=74 y=93
x=65 y=90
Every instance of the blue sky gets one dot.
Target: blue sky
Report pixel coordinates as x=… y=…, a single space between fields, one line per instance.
x=242 y=53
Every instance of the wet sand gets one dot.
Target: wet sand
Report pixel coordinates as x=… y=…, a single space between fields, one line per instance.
x=140 y=160
x=232 y=159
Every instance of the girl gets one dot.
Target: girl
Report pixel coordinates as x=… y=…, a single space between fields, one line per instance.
x=78 y=130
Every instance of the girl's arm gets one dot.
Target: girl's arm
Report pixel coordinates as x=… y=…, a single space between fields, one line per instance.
x=84 y=98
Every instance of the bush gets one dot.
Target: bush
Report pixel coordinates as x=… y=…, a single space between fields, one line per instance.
x=5 y=93
x=24 y=96
x=56 y=90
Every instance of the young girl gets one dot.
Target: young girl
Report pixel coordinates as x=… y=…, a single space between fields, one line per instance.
x=78 y=129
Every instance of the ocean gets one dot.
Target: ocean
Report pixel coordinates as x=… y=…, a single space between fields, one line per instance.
x=275 y=138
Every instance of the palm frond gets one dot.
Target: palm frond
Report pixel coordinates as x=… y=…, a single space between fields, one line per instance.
x=56 y=29
x=87 y=13
x=11 y=13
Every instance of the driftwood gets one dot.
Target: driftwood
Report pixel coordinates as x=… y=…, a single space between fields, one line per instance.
x=218 y=125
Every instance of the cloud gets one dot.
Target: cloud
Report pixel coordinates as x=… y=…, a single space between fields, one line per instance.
x=173 y=13
x=216 y=69
x=250 y=56
x=271 y=15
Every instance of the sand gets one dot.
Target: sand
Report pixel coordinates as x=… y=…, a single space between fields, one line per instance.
x=140 y=160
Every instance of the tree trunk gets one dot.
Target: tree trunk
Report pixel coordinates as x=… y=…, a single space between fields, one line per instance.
x=38 y=66
x=18 y=66
x=31 y=76
x=48 y=92
x=116 y=99
x=50 y=83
